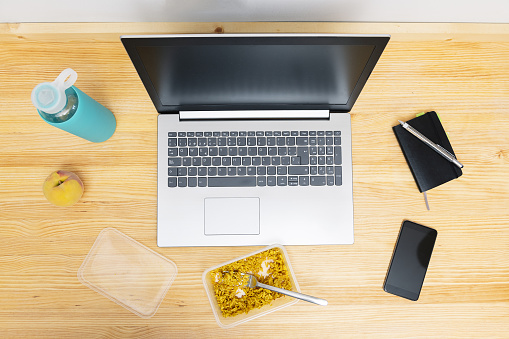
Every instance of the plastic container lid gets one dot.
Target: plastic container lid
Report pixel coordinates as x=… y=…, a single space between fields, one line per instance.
x=127 y=272
x=50 y=97
x=284 y=301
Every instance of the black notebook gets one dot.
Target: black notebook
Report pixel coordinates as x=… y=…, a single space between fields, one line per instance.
x=428 y=167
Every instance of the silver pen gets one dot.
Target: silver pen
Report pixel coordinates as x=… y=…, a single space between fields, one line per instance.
x=437 y=148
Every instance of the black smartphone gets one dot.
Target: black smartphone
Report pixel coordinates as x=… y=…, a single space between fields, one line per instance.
x=410 y=260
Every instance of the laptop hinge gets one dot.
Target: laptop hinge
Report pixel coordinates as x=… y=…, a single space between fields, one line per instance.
x=262 y=114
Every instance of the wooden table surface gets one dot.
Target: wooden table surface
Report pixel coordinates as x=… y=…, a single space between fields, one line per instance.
x=459 y=70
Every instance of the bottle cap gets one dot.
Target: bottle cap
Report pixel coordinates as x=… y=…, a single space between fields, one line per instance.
x=50 y=97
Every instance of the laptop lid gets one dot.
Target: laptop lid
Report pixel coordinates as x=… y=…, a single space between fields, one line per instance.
x=254 y=71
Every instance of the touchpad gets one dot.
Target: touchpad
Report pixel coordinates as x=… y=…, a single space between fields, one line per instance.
x=232 y=216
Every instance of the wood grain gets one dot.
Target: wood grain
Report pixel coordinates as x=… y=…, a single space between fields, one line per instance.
x=459 y=70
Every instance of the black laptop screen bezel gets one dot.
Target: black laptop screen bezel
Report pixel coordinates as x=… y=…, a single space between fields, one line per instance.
x=132 y=42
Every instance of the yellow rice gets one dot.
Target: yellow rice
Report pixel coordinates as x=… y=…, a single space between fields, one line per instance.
x=233 y=298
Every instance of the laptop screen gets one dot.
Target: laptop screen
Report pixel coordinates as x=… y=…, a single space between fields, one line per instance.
x=222 y=72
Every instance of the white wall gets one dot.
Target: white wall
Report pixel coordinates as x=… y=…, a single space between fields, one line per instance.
x=496 y=11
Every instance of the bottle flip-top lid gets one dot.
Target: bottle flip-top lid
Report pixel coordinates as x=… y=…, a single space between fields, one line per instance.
x=50 y=97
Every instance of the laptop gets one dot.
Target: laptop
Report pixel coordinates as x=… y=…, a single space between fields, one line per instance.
x=254 y=134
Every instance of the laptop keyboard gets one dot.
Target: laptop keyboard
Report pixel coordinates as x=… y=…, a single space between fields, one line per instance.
x=254 y=158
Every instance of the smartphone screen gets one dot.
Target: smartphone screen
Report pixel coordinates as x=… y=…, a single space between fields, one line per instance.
x=410 y=260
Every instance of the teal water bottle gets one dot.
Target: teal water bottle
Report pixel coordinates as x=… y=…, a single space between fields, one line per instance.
x=62 y=105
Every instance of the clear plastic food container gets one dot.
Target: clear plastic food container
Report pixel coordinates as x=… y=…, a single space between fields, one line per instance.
x=228 y=322
x=127 y=272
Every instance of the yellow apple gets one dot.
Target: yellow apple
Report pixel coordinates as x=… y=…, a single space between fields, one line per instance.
x=63 y=188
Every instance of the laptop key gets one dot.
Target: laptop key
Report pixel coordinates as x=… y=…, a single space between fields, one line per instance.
x=261 y=181
x=246 y=161
x=174 y=161
x=304 y=180
x=193 y=151
x=337 y=155
x=302 y=141
x=182 y=171
x=262 y=151
x=330 y=180
x=192 y=171
x=252 y=151
x=172 y=171
x=182 y=181
x=271 y=181
x=192 y=182
x=317 y=181
x=173 y=152
x=186 y=161
x=236 y=161
x=241 y=141
x=213 y=151
x=172 y=134
x=172 y=142
x=257 y=161
x=338 y=175
x=206 y=161
x=281 y=181
x=172 y=182
x=216 y=161
x=295 y=160
x=242 y=151
x=232 y=182
x=298 y=170
x=202 y=182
